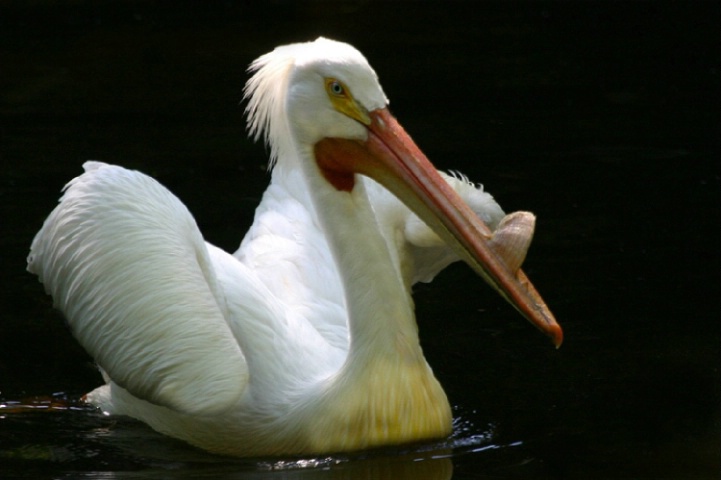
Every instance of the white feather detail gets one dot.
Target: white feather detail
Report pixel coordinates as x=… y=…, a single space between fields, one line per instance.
x=266 y=92
x=160 y=332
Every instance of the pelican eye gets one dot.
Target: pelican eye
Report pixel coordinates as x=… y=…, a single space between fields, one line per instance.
x=344 y=102
x=335 y=87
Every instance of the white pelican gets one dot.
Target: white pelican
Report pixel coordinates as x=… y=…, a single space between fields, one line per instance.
x=304 y=341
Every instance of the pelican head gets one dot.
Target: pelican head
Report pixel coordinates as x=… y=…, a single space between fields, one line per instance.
x=323 y=96
x=322 y=89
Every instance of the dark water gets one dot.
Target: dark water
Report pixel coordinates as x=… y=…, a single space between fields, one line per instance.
x=602 y=118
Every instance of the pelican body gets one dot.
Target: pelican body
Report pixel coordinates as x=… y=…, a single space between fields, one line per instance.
x=304 y=340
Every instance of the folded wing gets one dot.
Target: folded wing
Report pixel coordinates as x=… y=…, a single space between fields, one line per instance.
x=126 y=264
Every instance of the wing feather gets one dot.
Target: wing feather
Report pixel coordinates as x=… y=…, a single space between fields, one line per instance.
x=125 y=262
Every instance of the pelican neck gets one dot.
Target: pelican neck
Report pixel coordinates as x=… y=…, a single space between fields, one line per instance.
x=381 y=318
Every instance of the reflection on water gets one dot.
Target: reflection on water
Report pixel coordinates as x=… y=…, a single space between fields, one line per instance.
x=46 y=434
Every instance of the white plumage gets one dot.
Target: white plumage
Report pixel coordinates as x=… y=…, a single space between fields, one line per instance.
x=304 y=340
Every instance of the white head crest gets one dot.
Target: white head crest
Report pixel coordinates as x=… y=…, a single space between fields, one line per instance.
x=267 y=90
